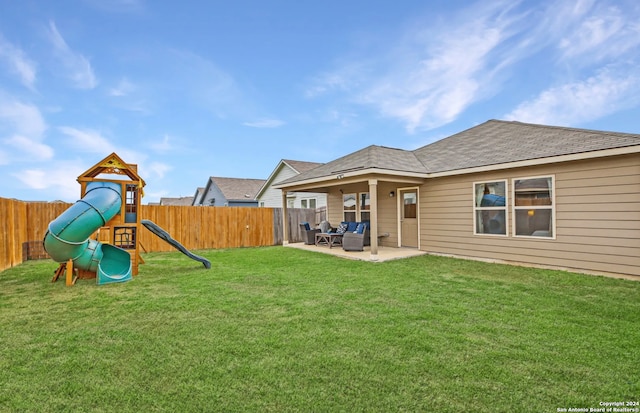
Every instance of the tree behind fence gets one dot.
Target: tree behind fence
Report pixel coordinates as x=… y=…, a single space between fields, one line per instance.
x=23 y=225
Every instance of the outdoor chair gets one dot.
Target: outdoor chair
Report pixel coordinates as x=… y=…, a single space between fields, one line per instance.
x=357 y=240
x=325 y=227
x=308 y=233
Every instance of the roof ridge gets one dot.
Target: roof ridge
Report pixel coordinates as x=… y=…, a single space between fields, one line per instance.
x=568 y=128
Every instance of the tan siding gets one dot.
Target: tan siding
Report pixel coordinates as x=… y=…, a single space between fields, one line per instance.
x=387 y=214
x=597 y=217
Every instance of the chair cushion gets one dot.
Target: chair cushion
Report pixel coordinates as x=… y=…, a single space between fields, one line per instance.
x=351 y=226
x=306 y=226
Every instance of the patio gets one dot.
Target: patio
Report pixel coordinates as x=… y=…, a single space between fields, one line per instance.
x=384 y=253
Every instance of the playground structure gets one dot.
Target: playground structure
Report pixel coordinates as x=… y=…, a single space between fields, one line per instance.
x=97 y=237
x=108 y=211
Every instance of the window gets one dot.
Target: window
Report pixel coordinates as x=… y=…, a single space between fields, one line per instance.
x=534 y=207
x=131 y=203
x=308 y=203
x=349 y=207
x=365 y=207
x=490 y=208
x=356 y=206
x=290 y=202
x=124 y=237
x=410 y=202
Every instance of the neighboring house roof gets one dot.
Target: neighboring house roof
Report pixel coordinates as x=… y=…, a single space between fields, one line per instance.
x=236 y=189
x=185 y=200
x=494 y=142
x=301 y=166
x=297 y=166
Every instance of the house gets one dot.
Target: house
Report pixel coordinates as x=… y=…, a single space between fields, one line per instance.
x=197 y=197
x=231 y=192
x=181 y=201
x=501 y=191
x=268 y=196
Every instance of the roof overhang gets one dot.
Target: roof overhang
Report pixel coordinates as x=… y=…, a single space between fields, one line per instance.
x=360 y=175
x=349 y=177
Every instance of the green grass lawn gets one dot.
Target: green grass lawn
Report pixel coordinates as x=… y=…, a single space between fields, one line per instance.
x=282 y=330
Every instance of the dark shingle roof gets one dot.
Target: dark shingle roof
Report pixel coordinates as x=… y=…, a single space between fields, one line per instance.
x=497 y=142
x=184 y=200
x=380 y=157
x=491 y=143
x=238 y=188
x=301 y=166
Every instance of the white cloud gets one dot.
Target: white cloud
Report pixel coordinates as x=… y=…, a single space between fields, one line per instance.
x=126 y=96
x=162 y=146
x=22 y=130
x=158 y=169
x=34 y=150
x=75 y=66
x=25 y=119
x=18 y=63
x=33 y=178
x=92 y=142
x=87 y=140
x=327 y=82
x=432 y=75
x=264 y=123
x=123 y=88
x=445 y=63
x=581 y=101
x=58 y=180
x=597 y=31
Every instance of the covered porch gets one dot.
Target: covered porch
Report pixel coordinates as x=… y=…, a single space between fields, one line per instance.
x=366 y=186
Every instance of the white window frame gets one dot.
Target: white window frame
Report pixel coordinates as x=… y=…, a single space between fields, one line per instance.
x=354 y=211
x=551 y=207
x=358 y=210
x=308 y=201
x=504 y=208
x=359 y=206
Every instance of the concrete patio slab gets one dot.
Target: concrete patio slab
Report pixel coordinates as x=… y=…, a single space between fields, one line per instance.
x=384 y=253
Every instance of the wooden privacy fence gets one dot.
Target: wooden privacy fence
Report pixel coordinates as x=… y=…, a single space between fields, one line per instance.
x=24 y=224
x=208 y=227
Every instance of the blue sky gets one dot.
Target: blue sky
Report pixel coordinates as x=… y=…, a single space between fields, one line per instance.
x=194 y=89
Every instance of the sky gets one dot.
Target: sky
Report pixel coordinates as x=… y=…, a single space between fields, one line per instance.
x=192 y=89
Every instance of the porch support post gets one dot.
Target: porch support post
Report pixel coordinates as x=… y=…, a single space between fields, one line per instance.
x=373 y=232
x=285 y=219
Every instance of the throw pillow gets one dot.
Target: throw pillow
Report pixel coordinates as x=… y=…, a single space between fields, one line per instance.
x=342 y=228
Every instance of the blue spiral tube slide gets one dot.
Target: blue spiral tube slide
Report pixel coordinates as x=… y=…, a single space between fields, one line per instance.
x=68 y=235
